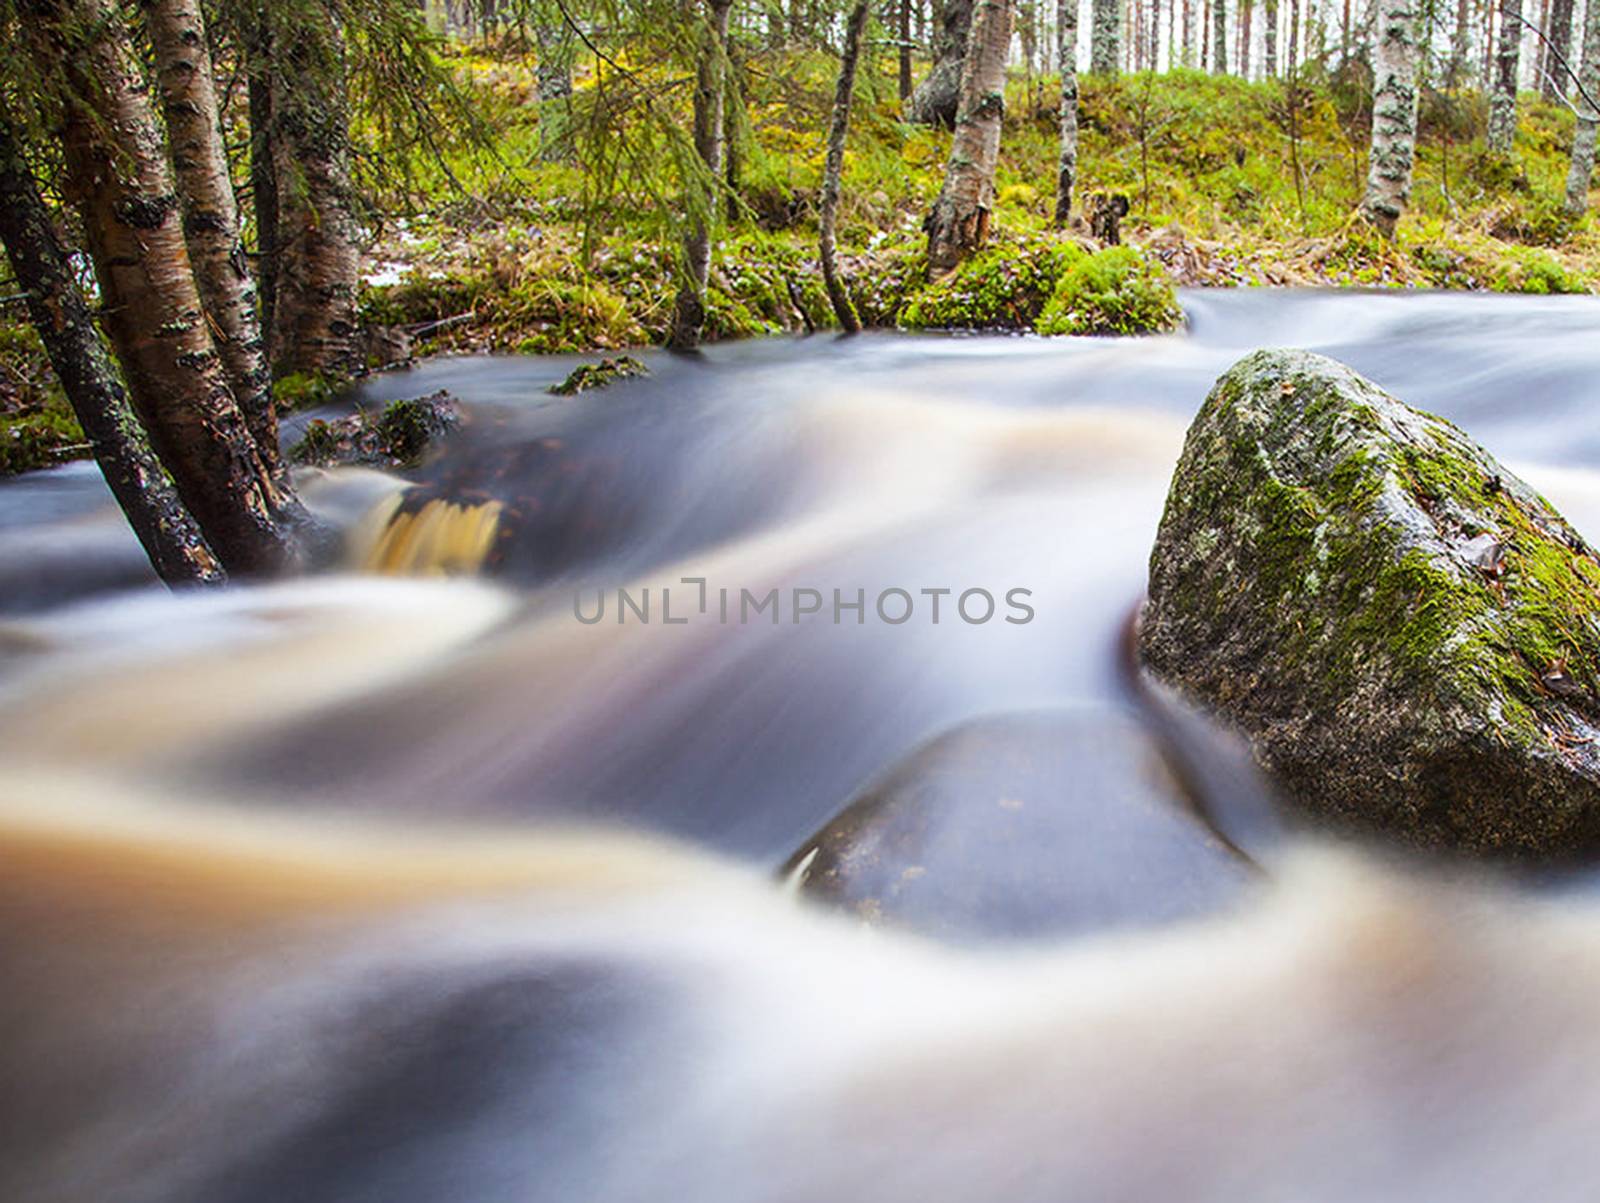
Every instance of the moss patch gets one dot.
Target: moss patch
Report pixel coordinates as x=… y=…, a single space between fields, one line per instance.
x=1114 y=291
x=588 y=376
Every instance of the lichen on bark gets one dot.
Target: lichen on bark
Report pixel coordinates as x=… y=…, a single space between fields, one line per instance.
x=1409 y=634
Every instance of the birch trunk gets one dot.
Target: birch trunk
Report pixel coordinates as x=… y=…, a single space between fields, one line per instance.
x=210 y=212
x=938 y=96
x=1067 y=59
x=314 y=327
x=165 y=528
x=1503 y=96
x=1555 y=83
x=1270 y=38
x=834 y=168
x=121 y=183
x=1395 y=55
x=1219 y=37
x=689 y=310
x=1583 y=138
x=1105 y=37
x=959 y=222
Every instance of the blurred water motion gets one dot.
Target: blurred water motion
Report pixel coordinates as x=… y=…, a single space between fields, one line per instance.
x=290 y=907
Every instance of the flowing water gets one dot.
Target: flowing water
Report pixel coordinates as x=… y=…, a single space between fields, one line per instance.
x=1014 y=483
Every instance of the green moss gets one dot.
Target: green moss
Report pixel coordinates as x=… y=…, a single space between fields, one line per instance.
x=307 y=390
x=1114 y=291
x=1002 y=288
x=1490 y=635
x=1525 y=269
x=588 y=376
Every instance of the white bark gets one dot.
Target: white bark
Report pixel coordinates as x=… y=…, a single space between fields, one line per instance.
x=1067 y=56
x=1583 y=138
x=1105 y=38
x=1503 y=97
x=1395 y=54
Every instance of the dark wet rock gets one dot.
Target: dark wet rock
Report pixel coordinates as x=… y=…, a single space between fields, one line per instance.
x=1024 y=826
x=1408 y=633
x=393 y=437
x=588 y=376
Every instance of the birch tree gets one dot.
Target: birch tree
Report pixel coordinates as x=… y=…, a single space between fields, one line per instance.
x=1105 y=36
x=119 y=178
x=959 y=222
x=210 y=211
x=1503 y=94
x=1219 y=37
x=1583 y=138
x=159 y=519
x=1553 y=79
x=317 y=261
x=1395 y=54
x=937 y=98
x=834 y=167
x=1067 y=156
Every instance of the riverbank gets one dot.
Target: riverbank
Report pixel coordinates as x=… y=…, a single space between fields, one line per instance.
x=1229 y=183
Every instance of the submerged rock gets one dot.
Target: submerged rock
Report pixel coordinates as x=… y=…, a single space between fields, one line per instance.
x=394 y=437
x=1024 y=825
x=1408 y=633
x=588 y=376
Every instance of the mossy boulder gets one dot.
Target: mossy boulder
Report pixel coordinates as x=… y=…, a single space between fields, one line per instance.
x=1409 y=634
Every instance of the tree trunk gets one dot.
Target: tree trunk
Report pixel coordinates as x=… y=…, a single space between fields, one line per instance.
x=1583 y=138
x=119 y=178
x=1503 y=98
x=1067 y=59
x=1205 y=34
x=1397 y=47
x=936 y=98
x=1247 y=10
x=1219 y=37
x=1459 y=42
x=210 y=212
x=1105 y=36
x=315 y=327
x=1294 y=37
x=1270 y=38
x=1188 y=33
x=959 y=222
x=835 y=166
x=1155 y=35
x=169 y=534
x=905 y=51
x=1556 y=83
x=689 y=310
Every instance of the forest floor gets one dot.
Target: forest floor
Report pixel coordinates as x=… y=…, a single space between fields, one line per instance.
x=1229 y=183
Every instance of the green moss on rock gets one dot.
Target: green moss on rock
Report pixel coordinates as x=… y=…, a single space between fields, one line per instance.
x=588 y=376
x=1409 y=634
